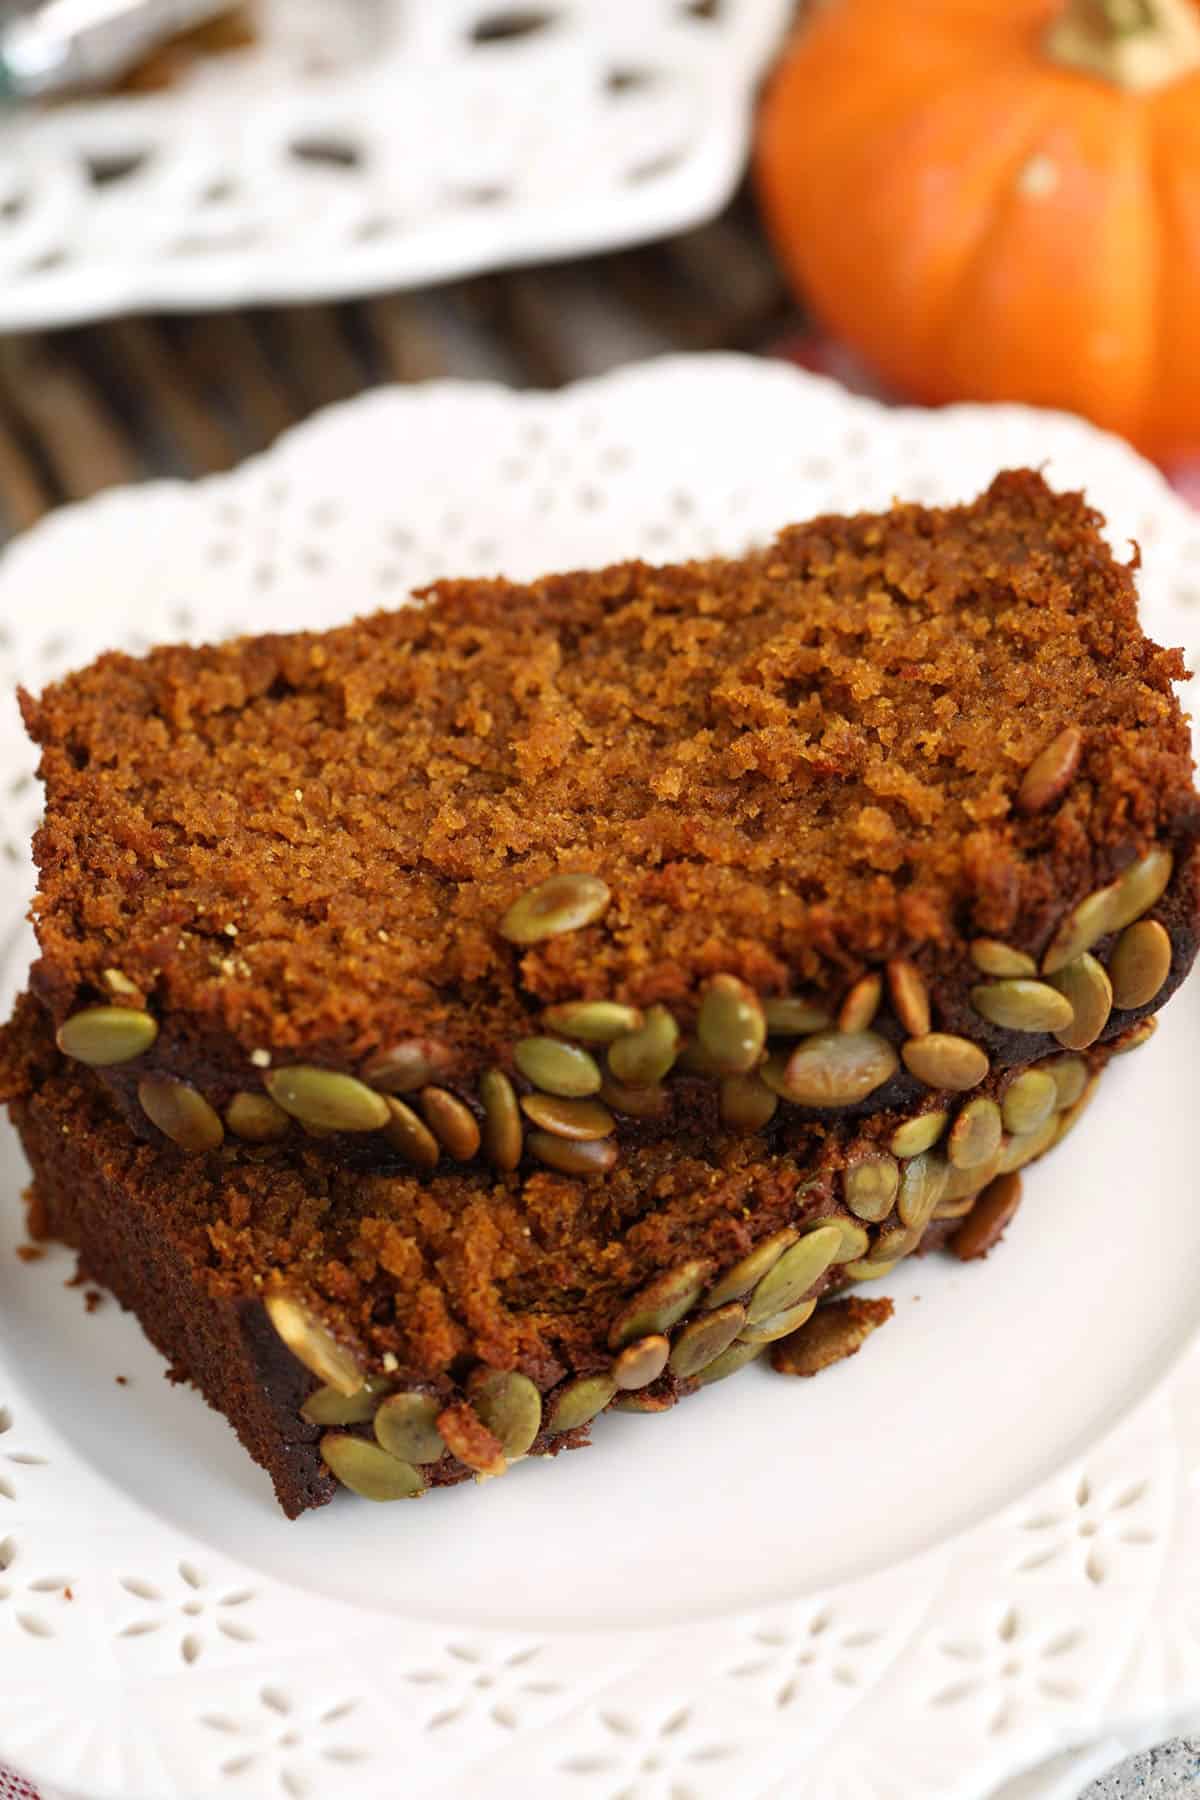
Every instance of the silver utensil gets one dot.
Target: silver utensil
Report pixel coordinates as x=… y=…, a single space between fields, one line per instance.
x=62 y=45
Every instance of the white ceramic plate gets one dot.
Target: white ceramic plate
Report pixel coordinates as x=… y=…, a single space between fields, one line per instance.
x=780 y=1587
x=368 y=144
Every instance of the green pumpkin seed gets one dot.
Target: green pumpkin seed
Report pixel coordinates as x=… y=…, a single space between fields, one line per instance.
x=410 y=1136
x=838 y=1068
x=326 y=1406
x=452 y=1122
x=1110 y=909
x=592 y=1021
x=941 y=1060
x=660 y=1304
x=1021 y=1005
x=1140 y=964
x=510 y=1406
x=910 y=996
x=636 y=1102
x=870 y=1186
x=1029 y=1100
x=1085 y=985
x=557 y=1068
x=327 y=1099
x=991 y=957
x=961 y=1182
x=1051 y=772
x=641 y=1362
x=1142 y=886
x=1020 y=1150
x=643 y=1403
x=706 y=1338
x=313 y=1344
x=594 y=1156
x=747 y=1104
x=918 y=1134
x=897 y=1242
x=406 y=1426
x=789 y=1016
x=102 y=1036
x=855 y=1241
x=369 y=1471
x=795 y=1272
x=729 y=1362
x=922 y=1184
x=407 y=1066
x=693 y=1059
x=744 y=1275
x=975 y=1135
x=1068 y=1120
x=645 y=1056
x=958 y=1208
x=580 y=1401
x=868 y=1270
x=1135 y=1037
x=257 y=1119
x=181 y=1114
x=503 y=1134
x=779 y=1325
x=731 y=1025
x=1069 y=1075
x=580 y=1120
x=562 y=903
x=860 y=1005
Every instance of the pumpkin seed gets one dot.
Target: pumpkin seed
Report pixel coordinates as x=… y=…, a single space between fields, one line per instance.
x=637 y=1102
x=1068 y=1120
x=861 y=1004
x=580 y=1120
x=868 y=1270
x=592 y=1021
x=369 y=1471
x=922 y=1184
x=468 y=1438
x=1087 y=988
x=645 y=1056
x=313 y=1344
x=855 y=1241
x=958 y=1209
x=660 y=1304
x=580 y=1401
x=789 y=1016
x=918 y=1134
x=794 y=1273
x=257 y=1119
x=409 y=1065
x=896 y=1242
x=729 y=1362
x=643 y=1403
x=593 y=1156
x=992 y=957
x=693 y=1059
x=181 y=1114
x=1051 y=772
x=102 y=1036
x=744 y=1275
x=410 y=1136
x=838 y=1068
x=1110 y=909
x=767 y=1331
x=747 y=1104
x=502 y=1130
x=992 y=1213
x=838 y=1331
x=327 y=1099
x=910 y=996
x=641 y=1362
x=870 y=1186
x=452 y=1122
x=706 y=1338
x=406 y=1426
x=1021 y=1150
x=1069 y=1075
x=557 y=1068
x=963 y=1182
x=975 y=1135
x=1142 y=886
x=731 y=1025
x=1029 y=1100
x=510 y=1405
x=943 y=1061
x=562 y=903
x=1134 y=1037
x=1022 y=1005
x=326 y=1406
x=1140 y=964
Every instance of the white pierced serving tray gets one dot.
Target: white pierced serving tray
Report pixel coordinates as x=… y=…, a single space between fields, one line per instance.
x=966 y=1551
x=371 y=144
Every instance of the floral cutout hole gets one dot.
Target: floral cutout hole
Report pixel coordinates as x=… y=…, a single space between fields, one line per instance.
x=288 y=1743
x=1024 y=1666
x=649 y=1756
x=31 y=1618
x=793 y=1662
x=1093 y=1528
x=191 y=1610
x=476 y=1680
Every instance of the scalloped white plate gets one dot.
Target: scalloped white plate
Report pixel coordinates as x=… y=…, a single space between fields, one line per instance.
x=810 y=1590
x=372 y=144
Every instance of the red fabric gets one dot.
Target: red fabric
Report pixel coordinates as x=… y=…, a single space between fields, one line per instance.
x=13 y=1788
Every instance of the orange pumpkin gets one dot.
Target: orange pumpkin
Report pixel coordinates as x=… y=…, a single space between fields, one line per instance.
x=1000 y=200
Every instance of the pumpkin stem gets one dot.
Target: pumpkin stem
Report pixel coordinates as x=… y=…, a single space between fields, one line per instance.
x=1138 y=45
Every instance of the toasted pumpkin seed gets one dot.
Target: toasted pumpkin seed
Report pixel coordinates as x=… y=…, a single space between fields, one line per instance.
x=369 y=1471
x=918 y=1134
x=641 y=1362
x=704 y=1339
x=1068 y=1120
x=1135 y=1036
x=693 y=1059
x=580 y=1120
x=729 y=1362
x=591 y=1156
x=313 y=1344
x=1140 y=964
x=958 y=1209
x=451 y=1121
x=557 y=1068
x=837 y=1332
x=838 y=1068
x=181 y=1114
x=991 y=957
x=910 y=996
x=327 y=1099
x=794 y=1273
x=580 y=1401
x=1086 y=986
x=737 y=1282
x=510 y=1405
x=778 y=1325
x=637 y=1102
x=102 y=1036
x=1051 y=772
x=896 y=1242
x=922 y=1184
x=1022 y=1005
x=731 y=1025
x=1110 y=909
x=868 y=1270
x=592 y=1021
x=975 y=1135
x=860 y=1005
x=410 y=1136
x=1029 y=1100
x=855 y=1240
x=747 y=1104
x=989 y=1218
x=550 y=908
x=1069 y=1075
x=643 y=1403
x=1142 y=886
x=789 y=1016
x=406 y=1426
x=941 y=1060
x=257 y=1119
x=870 y=1187
x=961 y=1182
x=409 y=1065
x=326 y=1406
x=503 y=1134
x=1021 y=1150
x=643 y=1057
x=660 y=1304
